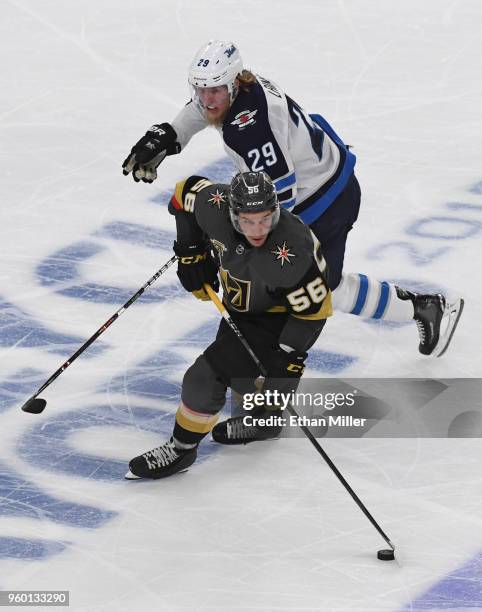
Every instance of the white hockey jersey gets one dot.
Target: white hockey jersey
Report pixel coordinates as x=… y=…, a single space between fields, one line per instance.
x=267 y=130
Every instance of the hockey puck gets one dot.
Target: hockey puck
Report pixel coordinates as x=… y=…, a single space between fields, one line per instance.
x=386 y=554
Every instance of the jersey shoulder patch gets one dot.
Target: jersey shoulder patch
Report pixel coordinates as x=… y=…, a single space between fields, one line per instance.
x=288 y=252
x=246 y=111
x=185 y=193
x=212 y=208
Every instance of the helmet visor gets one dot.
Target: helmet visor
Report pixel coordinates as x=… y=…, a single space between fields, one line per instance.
x=216 y=97
x=255 y=224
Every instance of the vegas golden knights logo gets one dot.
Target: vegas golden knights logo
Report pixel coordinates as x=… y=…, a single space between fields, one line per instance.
x=236 y=290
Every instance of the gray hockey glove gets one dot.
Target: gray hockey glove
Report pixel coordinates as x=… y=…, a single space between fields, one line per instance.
x=149 y=152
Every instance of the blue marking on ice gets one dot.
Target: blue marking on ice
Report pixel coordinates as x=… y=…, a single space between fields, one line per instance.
x=61 y=269
x=93 y=292
x=327 y=362
x=18 y=548
x=19 y=387
x=477 y=188
x=138 y=234
x=152 y=377
x=419 y=228
x=20 y=330
x=62 y=266
x=22 y=498
x=148 y=379
x=36 y=446
x=460 y=589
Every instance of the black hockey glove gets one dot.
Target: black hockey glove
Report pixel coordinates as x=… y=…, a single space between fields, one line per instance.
x=284 y=371
x=195 y=267
x=149 y=152
x=287 y=365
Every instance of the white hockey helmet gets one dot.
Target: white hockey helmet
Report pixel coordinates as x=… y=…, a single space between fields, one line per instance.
x=216 y=63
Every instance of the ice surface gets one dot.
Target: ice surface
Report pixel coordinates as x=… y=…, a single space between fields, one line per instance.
x=264 y=527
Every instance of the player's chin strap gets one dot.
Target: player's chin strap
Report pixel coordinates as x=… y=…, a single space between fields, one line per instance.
x=224 y=313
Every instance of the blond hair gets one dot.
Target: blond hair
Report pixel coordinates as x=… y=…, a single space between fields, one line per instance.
x=246 y=80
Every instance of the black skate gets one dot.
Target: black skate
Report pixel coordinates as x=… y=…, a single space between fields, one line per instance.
x=235 y=431
x=160 y=462
x=436 y=320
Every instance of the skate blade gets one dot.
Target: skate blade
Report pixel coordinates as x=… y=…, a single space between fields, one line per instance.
x=454 y=312
x=244 y=443
x=130 y=476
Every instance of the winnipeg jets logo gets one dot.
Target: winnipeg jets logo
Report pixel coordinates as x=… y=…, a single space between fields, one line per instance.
x=230 y=50
x=283 y=253
x=244 y=118
x=217 y=199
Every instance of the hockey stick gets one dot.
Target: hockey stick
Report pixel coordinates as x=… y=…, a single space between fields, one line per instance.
x=220 y=306
x=36 y=405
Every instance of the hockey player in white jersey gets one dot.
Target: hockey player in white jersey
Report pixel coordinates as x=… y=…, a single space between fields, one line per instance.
x=264 y=129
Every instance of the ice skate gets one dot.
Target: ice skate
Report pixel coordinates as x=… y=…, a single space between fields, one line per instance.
x=436 y=320
x=235 y=431
x=160 y=462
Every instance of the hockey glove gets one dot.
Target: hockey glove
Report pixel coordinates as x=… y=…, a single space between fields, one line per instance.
x=284 y=371
x=195 y=267
x=149 y=152
x=287 y=365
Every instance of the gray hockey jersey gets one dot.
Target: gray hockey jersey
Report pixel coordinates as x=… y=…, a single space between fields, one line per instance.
x=286 y=274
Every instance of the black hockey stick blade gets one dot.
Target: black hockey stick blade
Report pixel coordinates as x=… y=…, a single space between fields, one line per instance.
x=35 y=405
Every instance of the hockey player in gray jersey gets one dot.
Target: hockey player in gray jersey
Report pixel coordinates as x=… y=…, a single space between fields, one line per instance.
x=313 y=171
x=274 y=282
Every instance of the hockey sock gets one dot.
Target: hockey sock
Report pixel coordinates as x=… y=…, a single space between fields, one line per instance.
x=360 y=295
x=191 y=426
